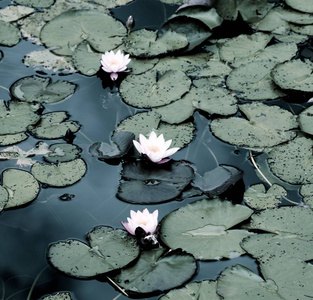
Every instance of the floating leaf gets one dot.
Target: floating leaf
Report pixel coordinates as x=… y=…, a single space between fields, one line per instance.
x=294 y=75
x=203 y=229
x=304 y=5
x=42 y=90
x=256 y=196
x=13 y=13
x=61 y=174
x=62 y=153
x=194 y=291
x=102 y=31
x=35 y=3
x=218 y=180
x=140 y=66
x=59 y=296
x=9 y=34
x=292 y=162
x=153 y=183
x=109 y=249
x=151 y=89
x=260 y=130
x=17 y=116
x=156 y=271
x=304 y=29
x=22 y=187
x=10 y=139
x=121 y=143
x=53 y=125
x=238 y=282
x=4 y=197
x=306 y=191
x=253 y=81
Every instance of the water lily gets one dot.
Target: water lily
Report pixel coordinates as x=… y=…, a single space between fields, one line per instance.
x=155 y=147
x=114 y=63
x=147 y=221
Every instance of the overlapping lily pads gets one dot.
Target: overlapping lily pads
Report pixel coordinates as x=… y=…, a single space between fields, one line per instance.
x=203 y=228
x=109 y=249
x=62 y=153
x=36 y=3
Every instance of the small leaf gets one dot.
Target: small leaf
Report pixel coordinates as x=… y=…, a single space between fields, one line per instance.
x=9 y=34
x=62 y=153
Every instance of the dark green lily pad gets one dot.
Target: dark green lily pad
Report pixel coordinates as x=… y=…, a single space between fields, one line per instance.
x=304 y=5
x=102 y=31
x=140 y=66
x=17 y=116
x=253 y=81
x=59 y=296
x=62 y=153
x=203 y=228
x=294 y=75
x=194 y=291
x=22 y=187
x=4 y=197
x=258 y=198
x=156 y=271
x=9 y=34
x=61 y=174
x=151 y=89
x=238 y=282
x=261 y=128
x=218 y=180
x=42 y=90
x=151 y=183
x=306 y=192
x=10 y=139
x=292 y=162
x=109 y=249
x=35 y=3
x=121 y=143
x=53 y=125
x=146 y=43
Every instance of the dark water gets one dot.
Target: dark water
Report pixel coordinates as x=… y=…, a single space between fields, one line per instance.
x=26 y=232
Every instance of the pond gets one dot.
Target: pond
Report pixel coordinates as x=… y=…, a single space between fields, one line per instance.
x=230 y=85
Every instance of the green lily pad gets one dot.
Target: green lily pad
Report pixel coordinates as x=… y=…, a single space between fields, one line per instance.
x=306 y=121
x=9 y=34
x=61 y=174
x=21 y=186
x=292 y=162
x=146 y=43
x=17 y=116
x=238 y=282
x=194 y=291
x=253 y=81
x=69 y=29
x=4 y=197
x=62 y=153
x=59 y=296
x=203 y=228
x=13 y=13
x=151 y=89
x=10 y=139
x=294 y=75
x=42 y=90
x=304 y=29
x=304 y=5
x=306 y=192
x=109 y=249
x=258 y=198
x=140 y=66
x=53 y=125
x=35 y=3
x=156 y=271
x=261 y=128
x=152 y=183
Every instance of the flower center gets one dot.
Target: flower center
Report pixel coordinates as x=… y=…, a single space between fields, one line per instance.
x=154 y=148
x=114 y=62
x=142 y=222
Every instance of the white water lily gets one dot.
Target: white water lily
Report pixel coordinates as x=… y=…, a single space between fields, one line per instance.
x=156 y=148
x=148 y=222
x=114 y=62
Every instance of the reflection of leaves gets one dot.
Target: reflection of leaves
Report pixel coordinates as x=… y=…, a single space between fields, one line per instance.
x=157 y=272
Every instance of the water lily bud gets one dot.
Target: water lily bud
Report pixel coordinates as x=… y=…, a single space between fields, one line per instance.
x=130 y=23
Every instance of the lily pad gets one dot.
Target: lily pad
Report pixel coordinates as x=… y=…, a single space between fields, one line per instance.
x=194 y=291
x=146 y=183
x=109 y=249
x=258 y=198
x=151 y=89
x=53 y=125
x=13 y=13
x=238 y=282
x=253 y=81
x=61 y=174
x=102 y=31
x=306 y=191
x=9 y=34
x=42 y=90
x=10 y=139
x=303 y=30
x=62 y=153
x=261 y=128
x=59 y=296
x=21 y=186
x=292 y=162
x=304 y=5
x=157 y=271
x=203 y=228
x=4 y=197
x=35 y=3
x=294 y=75
x=16 y=116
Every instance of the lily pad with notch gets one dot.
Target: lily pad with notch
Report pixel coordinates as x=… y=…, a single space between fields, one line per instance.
x=109 y=249
x=145 y=182
x=203 y=228
x=39 y=89
x=156 y=271
x=62 y=152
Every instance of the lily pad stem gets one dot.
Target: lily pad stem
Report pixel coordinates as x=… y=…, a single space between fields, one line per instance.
x=117 y=286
